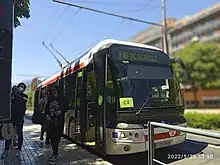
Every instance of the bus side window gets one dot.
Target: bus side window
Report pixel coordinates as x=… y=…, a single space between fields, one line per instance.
x=70 y=87
x=91 y=94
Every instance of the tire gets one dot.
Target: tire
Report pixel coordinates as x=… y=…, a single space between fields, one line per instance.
x=71 y=129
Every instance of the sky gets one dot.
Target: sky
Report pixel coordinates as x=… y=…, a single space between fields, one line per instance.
x=77 y=30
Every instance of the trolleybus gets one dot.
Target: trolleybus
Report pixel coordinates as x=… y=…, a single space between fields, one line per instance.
x=112 y=91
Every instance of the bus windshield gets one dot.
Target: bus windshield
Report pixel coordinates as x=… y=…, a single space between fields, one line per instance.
x=143 y=75
x=141 y=83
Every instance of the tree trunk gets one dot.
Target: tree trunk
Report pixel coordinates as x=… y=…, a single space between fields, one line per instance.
x=195 y=90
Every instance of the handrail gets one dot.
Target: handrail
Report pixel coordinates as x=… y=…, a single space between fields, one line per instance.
x=194 y=131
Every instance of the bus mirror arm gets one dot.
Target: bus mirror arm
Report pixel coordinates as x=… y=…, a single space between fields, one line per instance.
x=184 y=67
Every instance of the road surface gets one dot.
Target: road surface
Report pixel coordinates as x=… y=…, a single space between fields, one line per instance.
x=197 y=147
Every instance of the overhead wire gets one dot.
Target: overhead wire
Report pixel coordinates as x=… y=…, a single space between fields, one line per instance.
x=94 y=10
x=146 y=6
x=97 y=40
x=106 y=13
x=61 y=30
x=107 y=2
x=57 y=21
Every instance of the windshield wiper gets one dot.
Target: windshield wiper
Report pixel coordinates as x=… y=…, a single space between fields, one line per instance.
x=142 y=107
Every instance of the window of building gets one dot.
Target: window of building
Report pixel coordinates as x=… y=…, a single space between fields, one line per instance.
x=191 y=102
x=211 y=102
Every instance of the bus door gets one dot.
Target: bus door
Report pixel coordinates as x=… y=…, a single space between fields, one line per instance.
x=91 y=101
x=100 y=122
x=99 y=61
x=101 y=108
x=79 y=113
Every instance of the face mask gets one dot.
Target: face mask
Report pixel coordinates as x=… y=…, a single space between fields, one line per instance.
x=20 y=89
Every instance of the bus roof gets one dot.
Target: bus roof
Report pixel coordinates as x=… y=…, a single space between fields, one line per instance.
x=86 y=58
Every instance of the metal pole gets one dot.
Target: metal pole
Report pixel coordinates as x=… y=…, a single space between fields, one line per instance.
x=51 y=45
x=150 y=144
x=108 y=13
x=188 y=130
x=164 y=17
x=58 y=61
x=162 y=39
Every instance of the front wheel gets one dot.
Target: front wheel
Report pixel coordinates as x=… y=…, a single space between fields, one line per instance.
x=71 y=130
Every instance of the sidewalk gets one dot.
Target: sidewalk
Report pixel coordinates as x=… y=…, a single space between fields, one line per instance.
x=29 y=114
x=35 y=152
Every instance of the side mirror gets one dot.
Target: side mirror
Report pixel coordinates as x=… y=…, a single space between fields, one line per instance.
x=182 y=64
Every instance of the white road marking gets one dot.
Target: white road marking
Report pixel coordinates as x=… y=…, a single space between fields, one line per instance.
x=200 y=143
x=213 y=146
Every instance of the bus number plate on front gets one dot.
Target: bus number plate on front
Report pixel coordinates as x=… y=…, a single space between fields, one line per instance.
x=163 y=143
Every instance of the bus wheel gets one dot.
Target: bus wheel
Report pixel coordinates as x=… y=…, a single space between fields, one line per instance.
x=71 y=131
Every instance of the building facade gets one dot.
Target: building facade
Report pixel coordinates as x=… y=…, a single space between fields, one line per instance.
x=204 y=26
x=153 y=35
x=204 y=98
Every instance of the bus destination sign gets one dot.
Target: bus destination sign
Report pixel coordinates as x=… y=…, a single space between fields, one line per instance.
x=138 y=57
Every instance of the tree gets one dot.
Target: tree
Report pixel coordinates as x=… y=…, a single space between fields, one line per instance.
x=21 y=10
x=30 y=100
x=203 y=64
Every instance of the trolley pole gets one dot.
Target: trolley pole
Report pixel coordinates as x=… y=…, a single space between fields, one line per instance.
x=6 y=37
x=164 y=18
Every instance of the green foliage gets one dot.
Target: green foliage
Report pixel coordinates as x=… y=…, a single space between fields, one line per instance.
x=30 y=102
x=21 y=10
x=203 y=121
x=203 y=63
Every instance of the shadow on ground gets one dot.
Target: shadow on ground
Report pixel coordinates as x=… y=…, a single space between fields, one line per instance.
x=35 y=152
x=73 y=154
x=165 y=155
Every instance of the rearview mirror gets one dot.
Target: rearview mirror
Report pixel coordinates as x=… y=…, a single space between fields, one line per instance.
x=182 y=64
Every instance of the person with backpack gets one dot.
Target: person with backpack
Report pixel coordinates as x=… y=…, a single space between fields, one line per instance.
x=54 y=117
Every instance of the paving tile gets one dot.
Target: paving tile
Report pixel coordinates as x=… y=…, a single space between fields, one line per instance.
x=35 y=152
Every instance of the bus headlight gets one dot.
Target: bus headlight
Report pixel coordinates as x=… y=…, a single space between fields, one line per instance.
x=122 y=135
x=119 y=135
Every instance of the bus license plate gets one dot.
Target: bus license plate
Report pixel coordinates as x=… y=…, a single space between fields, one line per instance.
x=163 y=143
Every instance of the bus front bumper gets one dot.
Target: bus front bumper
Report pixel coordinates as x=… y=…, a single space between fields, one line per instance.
x=121 y=148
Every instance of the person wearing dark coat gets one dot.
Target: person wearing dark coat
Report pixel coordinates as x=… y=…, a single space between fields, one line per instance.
x=18 y=109
x=55 y=119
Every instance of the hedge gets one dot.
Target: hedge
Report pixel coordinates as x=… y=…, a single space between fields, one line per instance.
x=203 y=120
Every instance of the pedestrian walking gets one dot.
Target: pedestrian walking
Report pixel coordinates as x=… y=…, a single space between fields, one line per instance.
x=43 y=102
x=54 y=122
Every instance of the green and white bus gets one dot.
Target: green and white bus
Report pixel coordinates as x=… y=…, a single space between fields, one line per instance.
x=113 y=90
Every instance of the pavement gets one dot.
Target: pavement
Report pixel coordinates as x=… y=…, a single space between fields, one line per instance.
x=35 y=152
x=197 y=150
x=212 y=111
